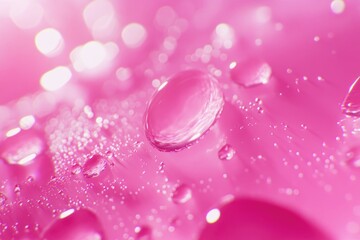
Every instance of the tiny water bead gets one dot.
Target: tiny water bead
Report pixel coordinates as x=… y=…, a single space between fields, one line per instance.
x=250 y=73
x=182 y=110
x=94 y=166
x=182 y=194
x=351 y=104
x=227 y=152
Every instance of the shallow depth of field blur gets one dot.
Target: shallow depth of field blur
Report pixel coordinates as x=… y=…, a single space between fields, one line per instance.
x=194 y=119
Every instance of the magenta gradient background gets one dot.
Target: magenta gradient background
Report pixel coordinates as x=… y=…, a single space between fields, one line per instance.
x=294 y=171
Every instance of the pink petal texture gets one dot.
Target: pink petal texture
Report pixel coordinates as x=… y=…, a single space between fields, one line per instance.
x=173 y=120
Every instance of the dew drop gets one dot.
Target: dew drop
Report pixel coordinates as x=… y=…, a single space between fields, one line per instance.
x=75 y=169
x=17 y=189
x=227 y=152
x=182 y=194
x=94 y=166
x=351 y=104
x=76 y=225
x=250 y=73
x=182 y=110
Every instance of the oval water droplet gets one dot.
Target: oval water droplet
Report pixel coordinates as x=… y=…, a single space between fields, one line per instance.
x=143 y=233
x=75 y=225
x=94 y=166
x=351 y=104
x=250 y=73
x=182 y=194
x=227 y=152
x=182 y=110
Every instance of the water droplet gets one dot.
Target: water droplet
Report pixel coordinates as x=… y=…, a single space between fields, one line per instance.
x=243 y=218
x=351 y=104
x=182 y=194
x=75 y=169
x=250 y=73
x=171 y=124
x=81 y=224
x=94 y=166
x=143 y=233
x=227 y=152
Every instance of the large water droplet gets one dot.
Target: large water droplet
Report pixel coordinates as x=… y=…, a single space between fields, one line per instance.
x=351 y=104
x=227 y=152
x=94 y=166
x=78 y=225
x=250 y=73
x=182 y=110
x=182 y=194
x=255 y=219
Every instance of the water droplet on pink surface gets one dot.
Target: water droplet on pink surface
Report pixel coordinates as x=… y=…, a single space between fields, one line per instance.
x=78 y=225
x=143 y=233
x=94 y=166
x=182 y=194
x=351 y=104
x=227 y=152
x=250 y=73
x=75 y=169
x=182 y=110
x=256 y=219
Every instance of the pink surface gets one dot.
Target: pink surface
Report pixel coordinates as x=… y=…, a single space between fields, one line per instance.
x=254 y=136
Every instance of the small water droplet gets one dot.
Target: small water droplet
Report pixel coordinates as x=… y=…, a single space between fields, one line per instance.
x=227 y=152
x=250 y=73
x=3 y=199
x=182 y=194
x=351 y=104
x=94 y=166
x=17 y=189
x=171 y=124
x=75 y=169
